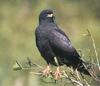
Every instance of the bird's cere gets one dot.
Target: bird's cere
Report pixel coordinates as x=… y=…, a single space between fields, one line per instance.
x=50 y=15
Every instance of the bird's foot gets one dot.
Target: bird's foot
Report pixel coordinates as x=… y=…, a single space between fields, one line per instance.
x=57 y=74
x=47 y=71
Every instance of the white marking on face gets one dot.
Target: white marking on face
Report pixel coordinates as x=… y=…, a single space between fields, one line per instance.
x=50 y=15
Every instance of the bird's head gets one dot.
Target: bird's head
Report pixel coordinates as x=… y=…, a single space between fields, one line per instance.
x=46 y=16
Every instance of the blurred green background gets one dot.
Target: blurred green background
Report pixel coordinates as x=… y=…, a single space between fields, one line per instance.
x=18 y=20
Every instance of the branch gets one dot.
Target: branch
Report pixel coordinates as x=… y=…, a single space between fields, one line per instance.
x=74 y=78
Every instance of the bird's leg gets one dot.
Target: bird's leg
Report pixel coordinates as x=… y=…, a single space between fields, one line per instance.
x=46 y=71
x=57 y=74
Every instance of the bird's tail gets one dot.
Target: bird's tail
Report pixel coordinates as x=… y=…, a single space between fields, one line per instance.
x=88 y=69
x=83 y=67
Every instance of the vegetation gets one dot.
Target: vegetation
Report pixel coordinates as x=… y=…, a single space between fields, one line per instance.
x=18 y=20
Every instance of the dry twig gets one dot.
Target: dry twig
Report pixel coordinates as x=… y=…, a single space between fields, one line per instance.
x=94 y=47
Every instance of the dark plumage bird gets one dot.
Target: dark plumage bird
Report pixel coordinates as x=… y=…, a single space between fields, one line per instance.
x=54 y=45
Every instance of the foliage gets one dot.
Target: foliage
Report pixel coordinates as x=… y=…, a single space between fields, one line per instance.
x=18 y=20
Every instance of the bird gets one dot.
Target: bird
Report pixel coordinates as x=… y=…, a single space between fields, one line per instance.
x=55 y=46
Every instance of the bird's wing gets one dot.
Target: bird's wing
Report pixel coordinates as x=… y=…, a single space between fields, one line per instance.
x=60 y=31
x=59 y=40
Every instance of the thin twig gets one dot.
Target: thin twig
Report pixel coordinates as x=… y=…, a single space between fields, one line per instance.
x=94 y=47
x=19 y=64
x=73 y=80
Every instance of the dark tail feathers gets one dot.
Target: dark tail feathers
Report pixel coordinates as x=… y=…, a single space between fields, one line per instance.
x=83 y=67
x=89 y=69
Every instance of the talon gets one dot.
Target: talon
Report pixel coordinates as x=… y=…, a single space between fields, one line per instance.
x=57 y=74
x=47 y=71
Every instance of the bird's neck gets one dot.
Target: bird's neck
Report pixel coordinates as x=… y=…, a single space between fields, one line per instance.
x=43 y=21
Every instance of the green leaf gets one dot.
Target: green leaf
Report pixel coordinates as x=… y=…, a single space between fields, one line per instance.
x=16 y=66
